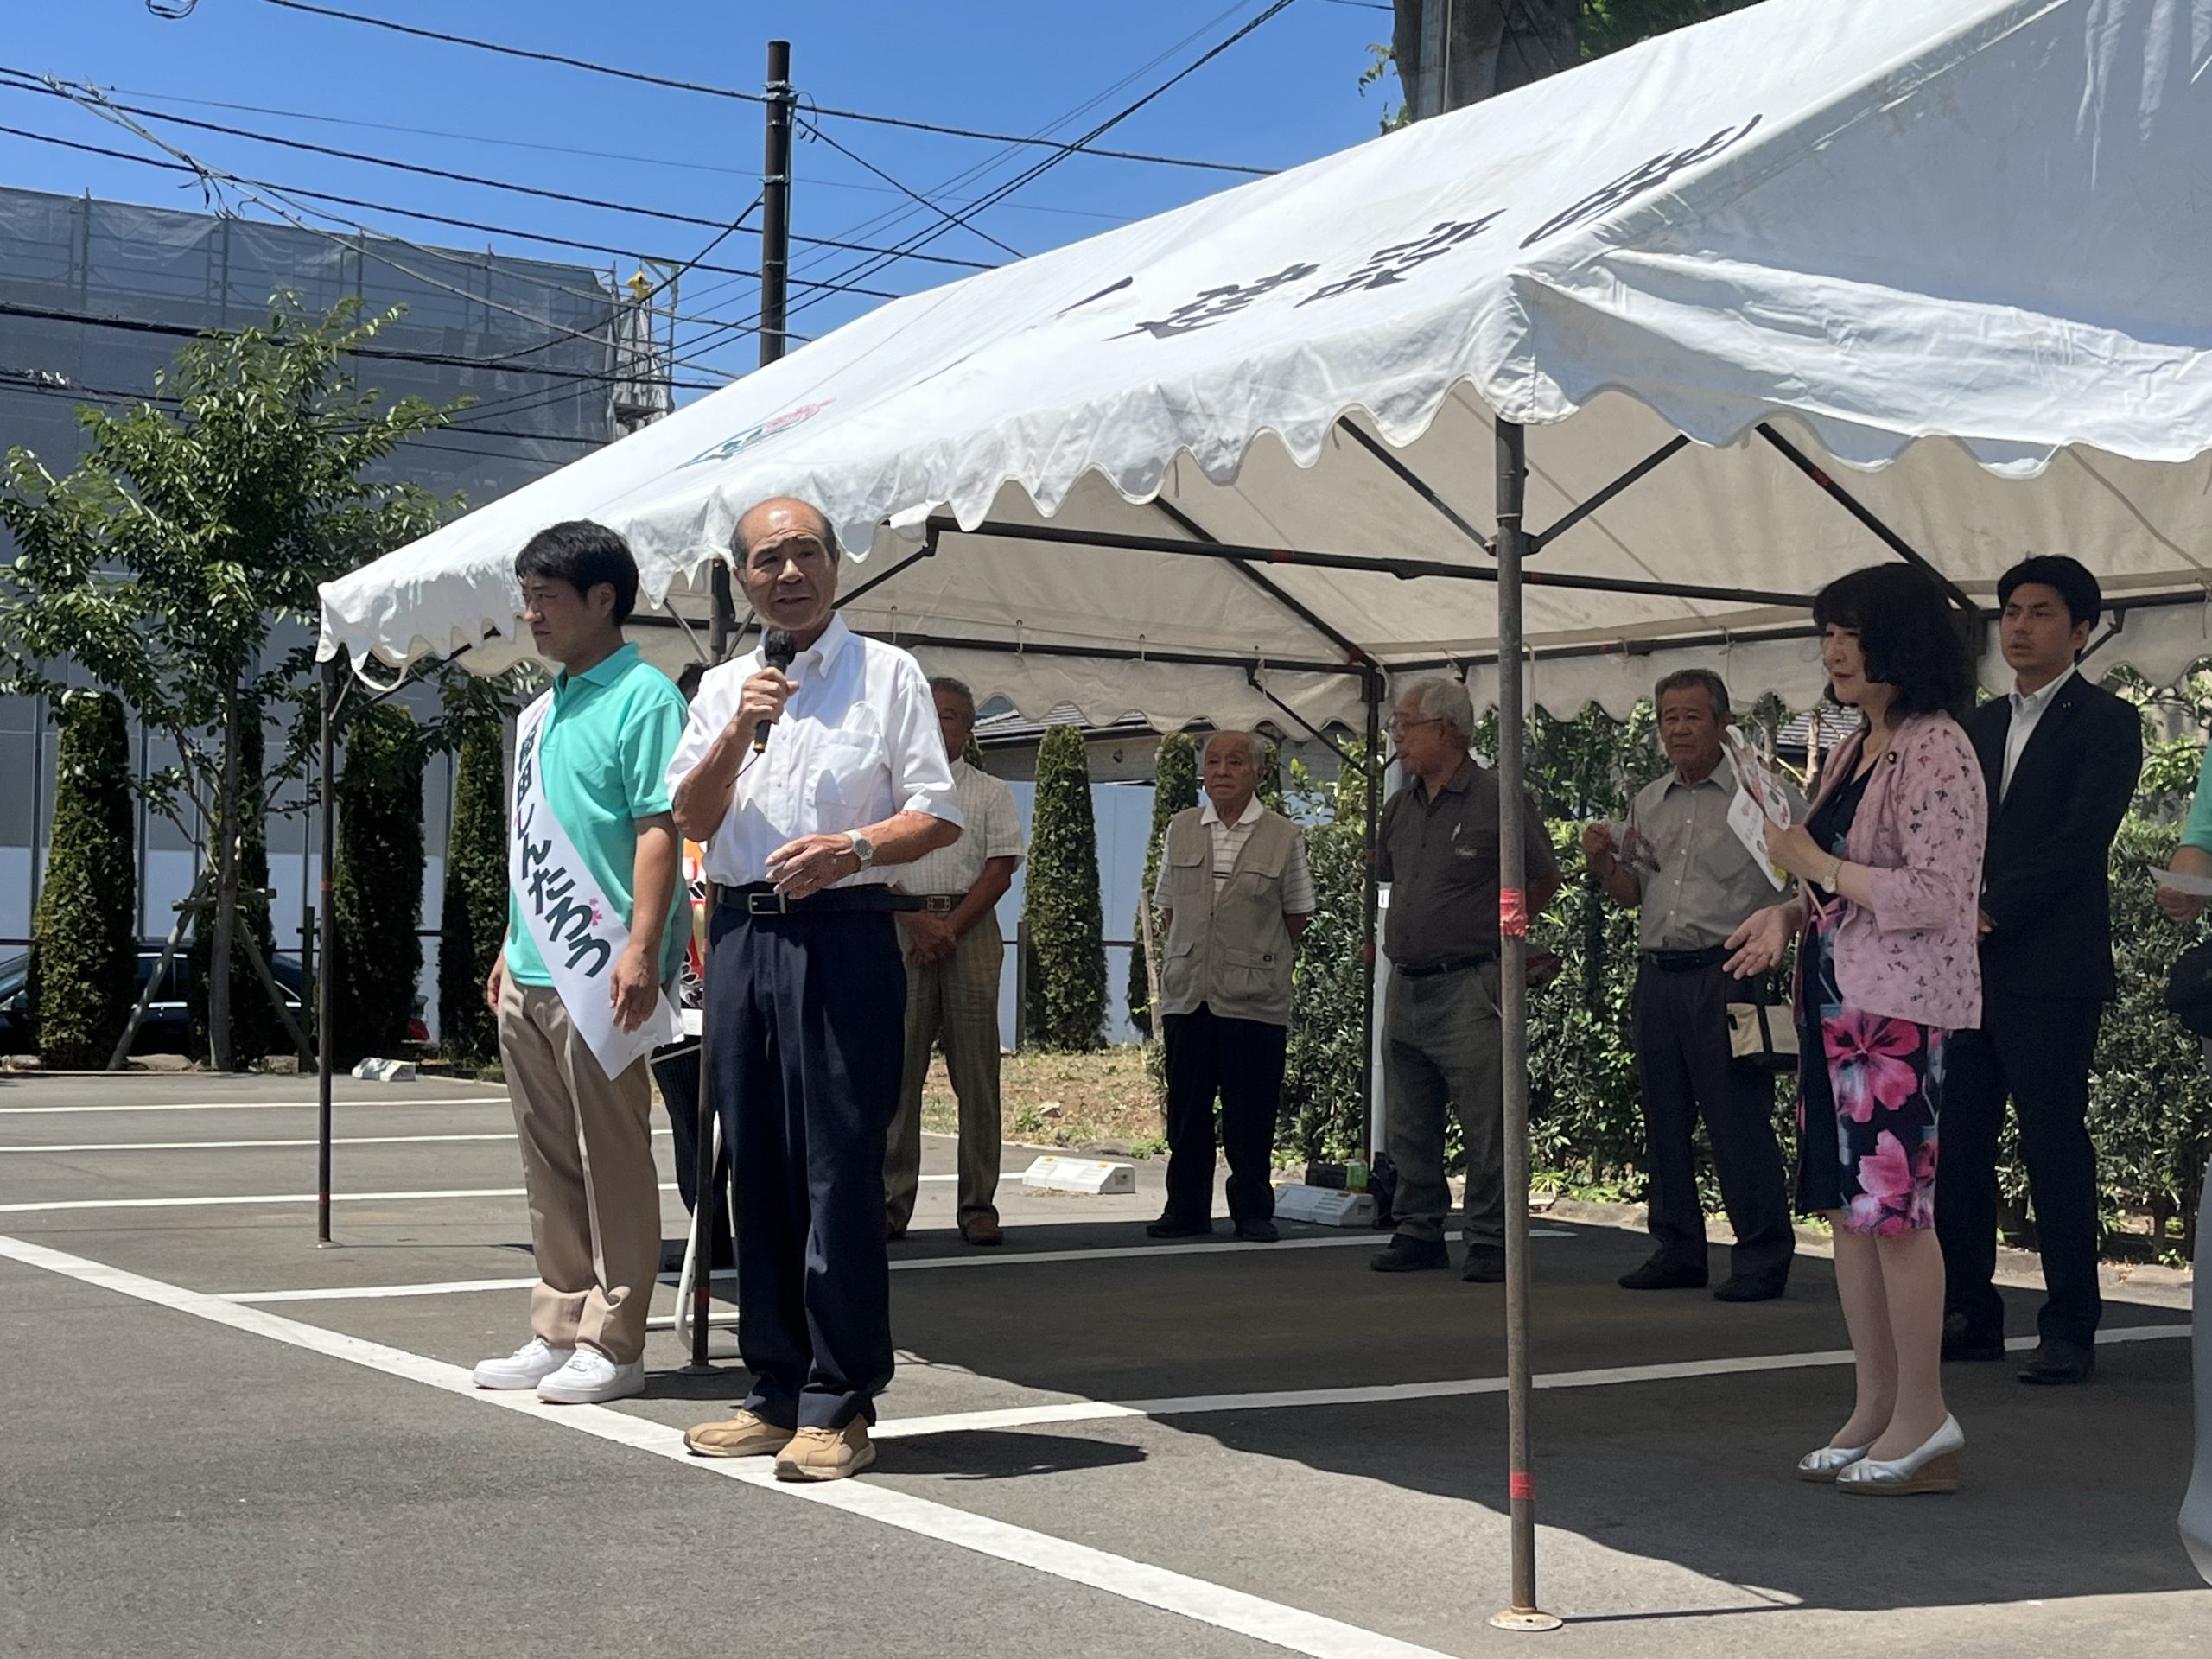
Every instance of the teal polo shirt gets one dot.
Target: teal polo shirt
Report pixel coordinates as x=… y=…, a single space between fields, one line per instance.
x=603 y=754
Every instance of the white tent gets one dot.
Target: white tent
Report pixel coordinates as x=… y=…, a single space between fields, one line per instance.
x=1804 y=288
x=1984 y=226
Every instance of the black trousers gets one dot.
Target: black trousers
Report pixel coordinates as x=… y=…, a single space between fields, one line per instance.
x=2038 y=1050
x=1679 y=1025
x=675 y=1073
x=807 y=1017
x=1240 y=1062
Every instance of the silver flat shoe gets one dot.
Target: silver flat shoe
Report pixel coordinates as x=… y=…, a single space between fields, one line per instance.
x=1934 y=1467
x=1825 y=1464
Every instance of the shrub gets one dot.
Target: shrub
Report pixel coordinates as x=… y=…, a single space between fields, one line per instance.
x=1060 y=911
x=1174 y=788
x=472 y=915
x=255 y=1028
x=378 y=884
x=85 y=937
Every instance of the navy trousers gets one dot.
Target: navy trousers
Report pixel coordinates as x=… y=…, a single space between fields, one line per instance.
x=807 y=1017
x=1240 y=1062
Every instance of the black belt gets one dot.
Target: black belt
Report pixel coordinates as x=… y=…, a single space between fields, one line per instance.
x=939 y=904
x=1684 y=961
x=760 y=898
x=1431 y=970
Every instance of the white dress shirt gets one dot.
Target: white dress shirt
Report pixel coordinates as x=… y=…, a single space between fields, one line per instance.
x=994 y=830
x=1228 y=841
x=857 y=742
x=2028 y=708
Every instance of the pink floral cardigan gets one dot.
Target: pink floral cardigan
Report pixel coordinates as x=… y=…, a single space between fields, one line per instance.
x=1919 y=831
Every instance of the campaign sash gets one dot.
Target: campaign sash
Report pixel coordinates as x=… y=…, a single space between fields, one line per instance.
x=578 y=935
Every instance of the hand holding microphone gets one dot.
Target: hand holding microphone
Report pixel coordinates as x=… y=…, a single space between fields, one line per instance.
x=768 y=689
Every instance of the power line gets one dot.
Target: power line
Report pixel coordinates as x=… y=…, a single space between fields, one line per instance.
x=643 y=78
x=446 y=359
x=29 y=82
x=809 y=128
x=417 y=212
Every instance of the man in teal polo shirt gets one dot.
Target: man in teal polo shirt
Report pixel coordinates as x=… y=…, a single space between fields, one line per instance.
x=595 y=933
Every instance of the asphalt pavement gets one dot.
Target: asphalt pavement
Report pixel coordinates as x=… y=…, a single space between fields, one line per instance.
x=221 y=1440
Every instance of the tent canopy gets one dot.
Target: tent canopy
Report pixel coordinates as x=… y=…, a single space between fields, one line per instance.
x=1930 y=280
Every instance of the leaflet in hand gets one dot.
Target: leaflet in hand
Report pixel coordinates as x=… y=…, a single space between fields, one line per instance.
x=1760 y=800
x=2196 y=887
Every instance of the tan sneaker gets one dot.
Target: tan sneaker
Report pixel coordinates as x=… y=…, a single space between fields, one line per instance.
x=741 y=1434
x=826 y=1453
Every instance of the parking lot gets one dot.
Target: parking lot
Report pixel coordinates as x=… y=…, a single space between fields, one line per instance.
x=221 y=1440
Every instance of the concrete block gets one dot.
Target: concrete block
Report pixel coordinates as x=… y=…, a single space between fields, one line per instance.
x=1088 y=1176
x=1324 y=1206
x=386 y=1070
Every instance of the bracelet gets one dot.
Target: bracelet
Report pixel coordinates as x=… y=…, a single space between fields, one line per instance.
x=1835 y=875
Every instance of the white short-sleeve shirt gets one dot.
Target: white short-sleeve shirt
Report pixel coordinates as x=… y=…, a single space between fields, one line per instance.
x=993 y=830
x=857 y=742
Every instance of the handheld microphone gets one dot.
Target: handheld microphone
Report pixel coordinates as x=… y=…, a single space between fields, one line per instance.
x=777 y=651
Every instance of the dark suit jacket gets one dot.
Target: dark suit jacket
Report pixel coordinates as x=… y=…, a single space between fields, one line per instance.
x=2043 y=875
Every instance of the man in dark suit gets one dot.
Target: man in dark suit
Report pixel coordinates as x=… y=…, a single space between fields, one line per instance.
x=2060 y=757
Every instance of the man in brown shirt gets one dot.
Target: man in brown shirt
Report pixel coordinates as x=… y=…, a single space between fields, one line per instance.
x=1442 y=1046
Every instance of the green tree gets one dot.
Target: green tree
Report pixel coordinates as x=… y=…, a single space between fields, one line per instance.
x=255 y=1028
x=186 y=533
x=473 y=921
x=85 y=936
x=1174 y=788
x=1322 y=1113
x=1060 y=911
x=376 y=896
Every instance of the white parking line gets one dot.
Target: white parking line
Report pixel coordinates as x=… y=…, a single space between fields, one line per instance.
x=1290 y=1628
x=256 y=1105
x=996 y=1259
x=254 y=1145
x=1080 y=1411
x=54 y=1204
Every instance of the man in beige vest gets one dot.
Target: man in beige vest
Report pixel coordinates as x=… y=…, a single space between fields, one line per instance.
x=1238 y=892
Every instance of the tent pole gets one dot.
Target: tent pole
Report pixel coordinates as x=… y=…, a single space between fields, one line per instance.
x=1369 y=1097
x=1513 y=1017
x=325 y=1021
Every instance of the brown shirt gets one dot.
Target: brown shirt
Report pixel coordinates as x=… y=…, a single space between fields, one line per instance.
x=1439 y=855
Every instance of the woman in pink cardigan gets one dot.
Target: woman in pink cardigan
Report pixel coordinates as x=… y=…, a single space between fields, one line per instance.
x=1889 y=871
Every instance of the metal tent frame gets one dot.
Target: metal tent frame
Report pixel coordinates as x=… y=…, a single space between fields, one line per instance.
x=1510 y=547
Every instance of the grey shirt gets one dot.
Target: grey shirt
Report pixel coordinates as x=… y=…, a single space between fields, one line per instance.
x=1707 y=883
x=1439 y=855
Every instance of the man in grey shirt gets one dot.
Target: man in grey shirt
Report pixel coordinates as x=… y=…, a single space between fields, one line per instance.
x=1692 y=882
x=1442 y=1044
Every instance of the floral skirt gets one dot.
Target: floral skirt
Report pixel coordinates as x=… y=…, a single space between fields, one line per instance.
x=1870 y=1091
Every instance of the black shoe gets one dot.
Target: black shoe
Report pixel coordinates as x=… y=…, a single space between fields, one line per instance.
x=2056 y=1364
x=1485 y=1265
x=1745 y=1288
x=1403 y=1254
x=1657 y=1275
x=1962 y=1342
x=1174 y=1227
x=1259 y=1229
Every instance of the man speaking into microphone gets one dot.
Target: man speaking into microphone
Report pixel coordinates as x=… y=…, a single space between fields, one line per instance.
x=804 y=784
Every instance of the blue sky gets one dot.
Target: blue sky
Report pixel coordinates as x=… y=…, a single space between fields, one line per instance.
x=1285 y=94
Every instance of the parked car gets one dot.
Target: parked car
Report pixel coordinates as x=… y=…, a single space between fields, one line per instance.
x=167 y=1028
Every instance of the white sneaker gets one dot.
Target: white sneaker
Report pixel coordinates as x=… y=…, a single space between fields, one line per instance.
x=591 y=1377
x=525 y=1368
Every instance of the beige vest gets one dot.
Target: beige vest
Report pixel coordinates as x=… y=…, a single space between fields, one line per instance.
x=1227 y=946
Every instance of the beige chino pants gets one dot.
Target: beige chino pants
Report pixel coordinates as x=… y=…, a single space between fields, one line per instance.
x=587 y=1169
x=955 y=1002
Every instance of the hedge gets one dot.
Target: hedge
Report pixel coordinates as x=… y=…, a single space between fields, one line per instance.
x=377 y=895
x=473 y=911
x=256 y=1031
x=83 y=953
x=1060 y=911
x=1174 y=789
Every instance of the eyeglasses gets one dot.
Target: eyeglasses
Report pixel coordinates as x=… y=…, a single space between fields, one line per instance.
x=1399 y=725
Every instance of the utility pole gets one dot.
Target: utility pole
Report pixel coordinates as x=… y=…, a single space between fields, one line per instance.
x=775 y=269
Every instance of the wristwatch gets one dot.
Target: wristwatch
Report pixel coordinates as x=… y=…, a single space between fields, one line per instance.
x=863 y=848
